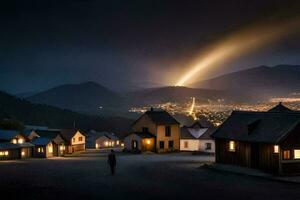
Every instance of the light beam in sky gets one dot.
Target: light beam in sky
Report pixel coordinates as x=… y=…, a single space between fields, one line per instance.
x=240 y=43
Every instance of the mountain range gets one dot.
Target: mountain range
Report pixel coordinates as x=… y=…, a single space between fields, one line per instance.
x=45 y=115
x=260 y=82
x=254 y=84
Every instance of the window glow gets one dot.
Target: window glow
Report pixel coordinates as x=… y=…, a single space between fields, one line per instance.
x=50 y=149
x=106 y=143
x=148 y=142
x=6 y=153
x=97 y=146
x=118 y=142
x=23 y=153
x=14 y=141
x=276 y=149
x=122 y=144
x=232 y=146
x=297 y=153
x=20 y=141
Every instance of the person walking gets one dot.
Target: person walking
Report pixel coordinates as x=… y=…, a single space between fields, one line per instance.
x=112 y=161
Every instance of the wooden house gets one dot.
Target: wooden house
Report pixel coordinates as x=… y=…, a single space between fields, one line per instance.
x=75 y=140
x=154 y=131
x=49 y=143
x=268 y=141
x=197 y=137
x=13 y=145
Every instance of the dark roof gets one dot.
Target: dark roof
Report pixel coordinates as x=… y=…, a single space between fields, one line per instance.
x=8 y=134
x=111 y=136
x=201 y=123
x=144 y=134
x=27 y=132
x=280 y=108
x=8 y=145
x=264 y=127
x=41 y=141
x=161 y=117
x=48 y=133
x=67 y=134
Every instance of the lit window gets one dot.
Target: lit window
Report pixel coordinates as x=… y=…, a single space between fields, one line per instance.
x=14 y=141
x=23 y=153
x=276 y=149
x=118 y=142
x=286 y=154
x=20 y=141
x=97 y=146
x=106 y=143
x=73 y=139
x=232 y=146
x=50 y=148
x=6 y=153
x=297 y=153
x=122 y=144
x=1 y=153
x=80 y=139
x=62 y=147
x=148 y=141
x=40 y=150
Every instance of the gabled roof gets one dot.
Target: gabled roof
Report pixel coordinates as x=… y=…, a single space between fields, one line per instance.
x=280 y=108
x=48 y=133
x=8 y=134
x=41 y=141
x=196 y=133
x=112 y=136
x=159 y=117
x=265 y=127
x=67 y=134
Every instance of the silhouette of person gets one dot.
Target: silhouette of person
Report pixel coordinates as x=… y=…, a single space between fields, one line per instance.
x=112 y=161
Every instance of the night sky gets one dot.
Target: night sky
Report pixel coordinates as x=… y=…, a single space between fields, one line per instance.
x=127 y=44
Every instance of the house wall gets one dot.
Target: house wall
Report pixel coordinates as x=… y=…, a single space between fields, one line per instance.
x=202 y=146
x=193 y=145
x=27 y=152
x=102 y=141
x=144 y=121
x=175 y=137
x=128 y=142
x=76 y=145
x=75 y=139
x=12 y=154
x=264 y=159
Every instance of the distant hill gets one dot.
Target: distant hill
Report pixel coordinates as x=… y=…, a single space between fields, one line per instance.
x=261 y=82
x=85 y=97
x=43 y=115
x=176 y=94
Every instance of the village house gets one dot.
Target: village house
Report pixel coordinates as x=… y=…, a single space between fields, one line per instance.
x=13 y=145
x=269 y=141
x=154 y=131
x=49 y=143
x=75 y=140
x=100 y=140
x=197 y=137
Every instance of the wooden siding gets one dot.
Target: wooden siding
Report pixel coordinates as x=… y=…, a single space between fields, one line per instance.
x=252 y=155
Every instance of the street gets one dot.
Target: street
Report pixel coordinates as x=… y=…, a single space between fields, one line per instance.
x=145 y=176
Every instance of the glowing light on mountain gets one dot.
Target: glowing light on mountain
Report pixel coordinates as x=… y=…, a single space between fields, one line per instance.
x=238 y=44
